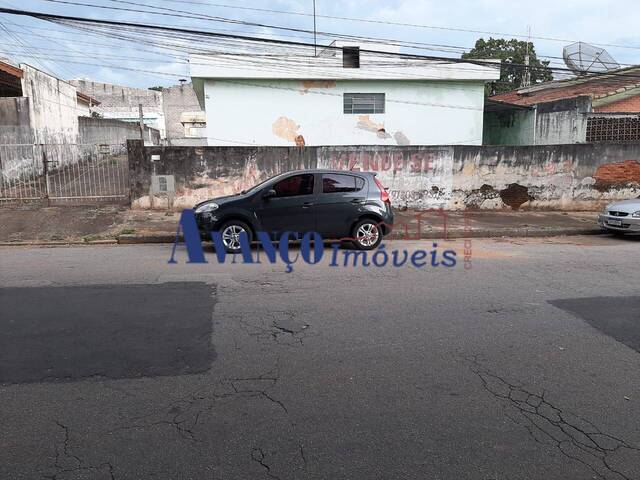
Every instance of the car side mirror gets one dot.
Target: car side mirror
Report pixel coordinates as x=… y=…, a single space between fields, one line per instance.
x=269 y=194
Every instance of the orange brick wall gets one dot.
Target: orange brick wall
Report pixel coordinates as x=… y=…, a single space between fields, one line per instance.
x=628 y=105
x=626 y=171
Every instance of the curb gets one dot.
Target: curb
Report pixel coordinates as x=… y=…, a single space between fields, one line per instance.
x=516 y=233
x=164 y=237
x=58 y=243
x=133 y=239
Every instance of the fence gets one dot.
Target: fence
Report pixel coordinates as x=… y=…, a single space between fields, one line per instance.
x=63 y=174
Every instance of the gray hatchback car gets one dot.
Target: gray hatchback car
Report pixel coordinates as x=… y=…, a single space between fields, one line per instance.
x=621 y=217
x=336 y=204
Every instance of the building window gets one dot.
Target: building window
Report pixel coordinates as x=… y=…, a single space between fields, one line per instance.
x=363 y=103
x=613 y=129
x=351 y=57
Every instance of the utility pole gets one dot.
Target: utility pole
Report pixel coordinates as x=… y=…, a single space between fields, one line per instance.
x=141 y=117
x=315 y=38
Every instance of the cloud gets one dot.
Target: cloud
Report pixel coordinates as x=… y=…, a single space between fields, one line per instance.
x=596 y=21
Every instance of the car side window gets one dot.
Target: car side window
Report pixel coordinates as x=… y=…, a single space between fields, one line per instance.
x=335 y=182
x=294 y=186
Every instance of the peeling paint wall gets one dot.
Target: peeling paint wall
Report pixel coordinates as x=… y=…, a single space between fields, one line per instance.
x=311 y=112
x=567 y=177
x=207 y=172
x=415 y=176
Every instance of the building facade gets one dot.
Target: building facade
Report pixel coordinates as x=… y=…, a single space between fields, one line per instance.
x=342 y=96
x=36 y=108
x=122 y=103
x=590 y=109
x=183 y=117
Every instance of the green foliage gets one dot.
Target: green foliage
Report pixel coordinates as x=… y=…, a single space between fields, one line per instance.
x=512 y=53
x=157 y=88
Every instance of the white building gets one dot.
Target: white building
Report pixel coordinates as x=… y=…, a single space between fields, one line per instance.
x=344 y=95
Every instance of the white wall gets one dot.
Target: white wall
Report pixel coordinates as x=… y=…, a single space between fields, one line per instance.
x=278 y=112
x=52 y=107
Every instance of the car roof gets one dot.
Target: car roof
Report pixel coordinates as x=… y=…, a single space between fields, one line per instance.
x=319 y=170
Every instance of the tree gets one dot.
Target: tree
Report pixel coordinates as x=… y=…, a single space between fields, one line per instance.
x=512 y=53
x=156 y=88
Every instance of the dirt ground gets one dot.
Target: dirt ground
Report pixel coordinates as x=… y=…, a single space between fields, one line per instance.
x=80 y=223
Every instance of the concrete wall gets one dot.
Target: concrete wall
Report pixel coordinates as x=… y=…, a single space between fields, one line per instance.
x=292 y=112
x=113 y=132
x=121 y=102
x=572 y=177
x=562 y=122
x=556 y=123
x=16 y=138
x=52 y=107
x=568 y=177
x=512 y=127
x=175 y=101
x=15 y=122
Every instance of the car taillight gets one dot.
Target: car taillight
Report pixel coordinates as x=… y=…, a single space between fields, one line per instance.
x=384 y=195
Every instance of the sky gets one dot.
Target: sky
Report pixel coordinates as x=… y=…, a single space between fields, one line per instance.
x=70 y=53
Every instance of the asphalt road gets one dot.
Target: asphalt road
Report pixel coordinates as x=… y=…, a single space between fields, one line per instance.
x=115 y=364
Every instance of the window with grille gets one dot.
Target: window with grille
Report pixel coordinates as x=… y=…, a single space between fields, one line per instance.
x=613 y=129
x=363 y=103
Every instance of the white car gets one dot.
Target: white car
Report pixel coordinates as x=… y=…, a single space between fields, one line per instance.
x=621 y=217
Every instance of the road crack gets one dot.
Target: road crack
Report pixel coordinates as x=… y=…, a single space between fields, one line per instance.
x=66 y=463
x=573 y=436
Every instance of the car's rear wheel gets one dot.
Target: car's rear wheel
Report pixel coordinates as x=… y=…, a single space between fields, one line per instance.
x=367 y=234
x=230 y=233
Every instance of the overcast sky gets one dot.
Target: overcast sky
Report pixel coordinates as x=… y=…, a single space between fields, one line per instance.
x=72 y=54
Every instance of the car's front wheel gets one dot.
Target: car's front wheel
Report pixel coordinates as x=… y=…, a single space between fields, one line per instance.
x=230 y=233
x=367 y=234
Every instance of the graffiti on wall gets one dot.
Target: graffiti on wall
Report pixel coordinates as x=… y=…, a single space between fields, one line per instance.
x=418 y=177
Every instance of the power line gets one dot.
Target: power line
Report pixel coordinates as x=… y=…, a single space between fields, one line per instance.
x=192 y=15
x=433 y=47
x=74 y=20
x=388 y=22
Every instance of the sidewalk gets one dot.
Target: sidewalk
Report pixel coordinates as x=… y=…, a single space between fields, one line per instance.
x=104 y=225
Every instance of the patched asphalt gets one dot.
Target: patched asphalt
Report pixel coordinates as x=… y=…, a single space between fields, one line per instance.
x=113 y=331
x=617 y=317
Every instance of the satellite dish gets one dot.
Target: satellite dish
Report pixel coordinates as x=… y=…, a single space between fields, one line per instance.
x=583 y=58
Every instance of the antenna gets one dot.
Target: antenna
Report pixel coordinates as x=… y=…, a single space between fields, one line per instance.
x=315 y=38
x=583 y=58
x=526 y=76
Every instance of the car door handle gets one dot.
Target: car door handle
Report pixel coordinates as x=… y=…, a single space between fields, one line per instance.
x=357 y=200
x=307 y=204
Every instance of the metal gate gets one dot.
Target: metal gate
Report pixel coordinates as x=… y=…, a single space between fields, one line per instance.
x=64 y=174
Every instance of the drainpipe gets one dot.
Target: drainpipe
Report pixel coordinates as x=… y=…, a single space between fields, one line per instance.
x=535 y=121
